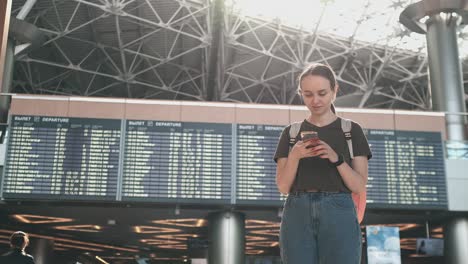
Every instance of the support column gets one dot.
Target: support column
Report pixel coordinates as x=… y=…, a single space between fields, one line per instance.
x=226 y=232
x=456 y=240
x=446 y=79
x=215 y=62
x=5 y=9
x=445 y=71
x=19 y=31
x=42 y=250
x=7 y=80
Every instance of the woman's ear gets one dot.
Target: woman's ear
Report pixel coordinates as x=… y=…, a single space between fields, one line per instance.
x=335 y=92
x=298 y=91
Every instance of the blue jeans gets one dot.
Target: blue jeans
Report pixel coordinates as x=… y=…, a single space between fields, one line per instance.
x=320 y=227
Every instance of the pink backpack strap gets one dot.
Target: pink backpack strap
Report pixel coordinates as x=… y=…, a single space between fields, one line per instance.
x=359 y=200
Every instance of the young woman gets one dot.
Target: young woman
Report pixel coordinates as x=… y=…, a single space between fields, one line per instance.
x=319 y=223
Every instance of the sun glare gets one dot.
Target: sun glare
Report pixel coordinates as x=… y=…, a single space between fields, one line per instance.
x=362 y=20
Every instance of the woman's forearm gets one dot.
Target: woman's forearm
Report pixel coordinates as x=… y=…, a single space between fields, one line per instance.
x=355 y=179
x=286 y=173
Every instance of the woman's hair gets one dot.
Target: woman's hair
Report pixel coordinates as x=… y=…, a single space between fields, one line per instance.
x=322 y=70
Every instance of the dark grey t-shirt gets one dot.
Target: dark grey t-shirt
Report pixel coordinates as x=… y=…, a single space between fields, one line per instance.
x=317 y=173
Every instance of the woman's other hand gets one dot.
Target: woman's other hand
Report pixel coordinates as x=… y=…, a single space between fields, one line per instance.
x=324 y=151
x=303 y=149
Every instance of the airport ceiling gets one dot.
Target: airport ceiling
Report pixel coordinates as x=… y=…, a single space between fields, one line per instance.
x=213 y=51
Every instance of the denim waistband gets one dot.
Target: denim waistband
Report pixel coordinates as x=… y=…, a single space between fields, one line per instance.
x=319 y=193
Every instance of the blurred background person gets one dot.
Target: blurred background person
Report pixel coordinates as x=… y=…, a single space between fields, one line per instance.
x=18 y=242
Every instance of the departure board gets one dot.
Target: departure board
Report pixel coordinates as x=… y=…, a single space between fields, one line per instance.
x=174 y=161
x=407 y=170
x=62 y=158
x=256 y=170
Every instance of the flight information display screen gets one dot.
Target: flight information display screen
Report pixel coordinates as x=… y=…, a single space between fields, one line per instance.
x=407 y=170
x=187 y=162
x=256 y=169
x=62 y=158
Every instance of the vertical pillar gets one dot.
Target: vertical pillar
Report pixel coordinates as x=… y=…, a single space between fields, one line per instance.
x=446 y=77
x=21 y=31
x=448 y=95
x=456 y=240
x=226 y=238
x=215 y=62
x=7 y=80
x=5 y=10
x=42 y=250
x=445 y=71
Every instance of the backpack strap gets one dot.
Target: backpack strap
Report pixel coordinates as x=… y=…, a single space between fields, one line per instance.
x=359 y=199
x=346 y=127
x=293 y=132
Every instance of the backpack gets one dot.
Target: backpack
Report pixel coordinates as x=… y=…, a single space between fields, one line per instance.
x=359 y=199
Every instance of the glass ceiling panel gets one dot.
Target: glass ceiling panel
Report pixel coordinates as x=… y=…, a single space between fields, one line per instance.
x=364 y=20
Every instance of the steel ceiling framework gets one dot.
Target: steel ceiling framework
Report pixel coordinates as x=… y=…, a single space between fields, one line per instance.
x=169 y=49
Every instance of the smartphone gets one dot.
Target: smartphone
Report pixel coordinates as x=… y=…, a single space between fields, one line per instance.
x=310 y=135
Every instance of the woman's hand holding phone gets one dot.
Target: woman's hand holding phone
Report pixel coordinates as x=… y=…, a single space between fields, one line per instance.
x=303 y=147
x=311 y=146
x=310 y=137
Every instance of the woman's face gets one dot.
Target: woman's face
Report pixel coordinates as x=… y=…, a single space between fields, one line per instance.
x=317 y=94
